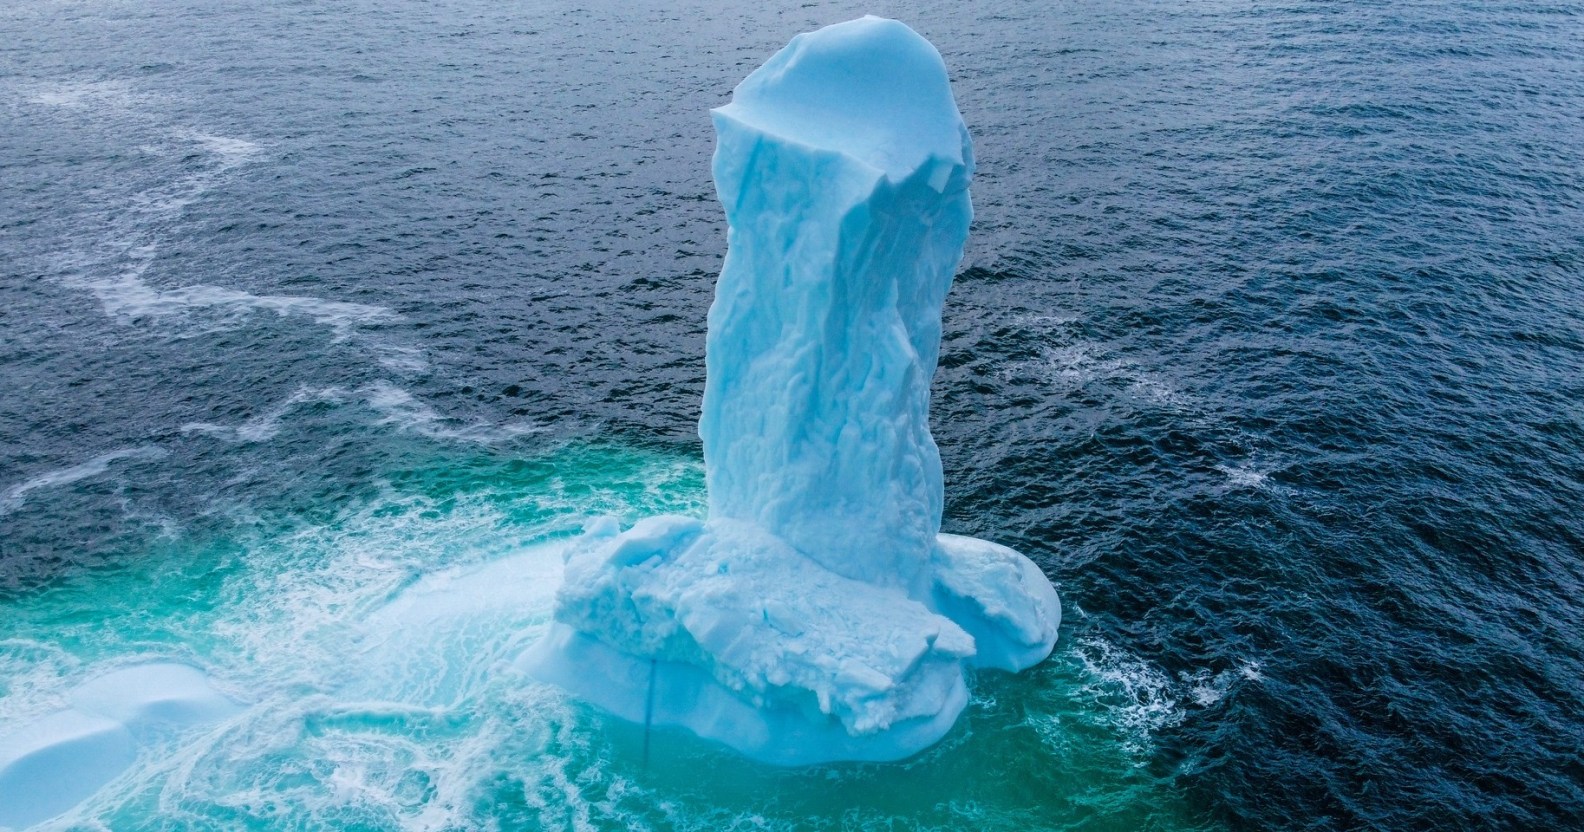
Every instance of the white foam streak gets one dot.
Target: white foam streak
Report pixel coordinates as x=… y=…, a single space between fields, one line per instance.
x=116 y=275
x=12 y=498
x=267 y=425
x=129 y=298
x=394 y=408
x=401 y=410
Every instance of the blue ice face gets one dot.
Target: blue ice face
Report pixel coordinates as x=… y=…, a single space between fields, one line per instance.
x=843 y=166
x=817 y=614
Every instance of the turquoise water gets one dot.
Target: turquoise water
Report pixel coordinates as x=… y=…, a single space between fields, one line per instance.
x=1268 y=349
x=372 y=647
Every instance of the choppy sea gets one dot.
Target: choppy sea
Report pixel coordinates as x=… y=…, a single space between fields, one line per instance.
x=1268 y=347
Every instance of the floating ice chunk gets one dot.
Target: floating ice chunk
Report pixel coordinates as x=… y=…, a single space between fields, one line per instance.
x=780 y=732
x=817 y=614
x=60 y=759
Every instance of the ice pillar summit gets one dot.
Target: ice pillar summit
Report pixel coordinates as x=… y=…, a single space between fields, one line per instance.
x=817 y=614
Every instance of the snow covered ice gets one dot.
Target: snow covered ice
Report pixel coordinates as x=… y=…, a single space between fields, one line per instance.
x=818 y=614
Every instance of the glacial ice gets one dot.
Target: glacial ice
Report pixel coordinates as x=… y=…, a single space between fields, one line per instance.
x=817 y=614
x=53 y=763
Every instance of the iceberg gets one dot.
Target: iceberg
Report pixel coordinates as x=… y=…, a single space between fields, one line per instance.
x=818 y=614
x=60 y=759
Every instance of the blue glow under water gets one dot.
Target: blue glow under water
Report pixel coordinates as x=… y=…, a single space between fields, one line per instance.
x=1268 y=348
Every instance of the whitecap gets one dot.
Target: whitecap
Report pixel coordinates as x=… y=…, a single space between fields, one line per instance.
x=1244 y=476
x=230 y=151
x=1137 y=695
x=84 y=94
x=1207 y=689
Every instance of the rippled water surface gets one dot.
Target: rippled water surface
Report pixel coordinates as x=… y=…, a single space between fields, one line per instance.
x=1268 y=347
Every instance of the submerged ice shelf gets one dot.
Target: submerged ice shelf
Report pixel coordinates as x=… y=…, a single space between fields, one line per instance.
x=818 y=614
x=51 y=764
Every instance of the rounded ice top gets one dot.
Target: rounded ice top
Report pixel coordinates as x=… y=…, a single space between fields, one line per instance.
x=870 y=89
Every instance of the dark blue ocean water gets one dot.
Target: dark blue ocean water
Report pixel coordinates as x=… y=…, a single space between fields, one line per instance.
x=1268 y=347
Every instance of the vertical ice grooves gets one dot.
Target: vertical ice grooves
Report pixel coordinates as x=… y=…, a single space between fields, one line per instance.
x=817 y=614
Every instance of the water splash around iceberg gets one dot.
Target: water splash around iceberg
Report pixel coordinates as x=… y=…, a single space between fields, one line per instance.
x=818 y=613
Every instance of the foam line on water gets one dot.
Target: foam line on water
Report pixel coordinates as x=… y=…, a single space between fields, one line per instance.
x=132 y=229
x=267 y=425
x=400 y=409
x=12 y=498
x=127 y=296
x=393 y=407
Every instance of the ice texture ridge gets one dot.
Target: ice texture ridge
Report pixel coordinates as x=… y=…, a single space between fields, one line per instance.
x=818 y=613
